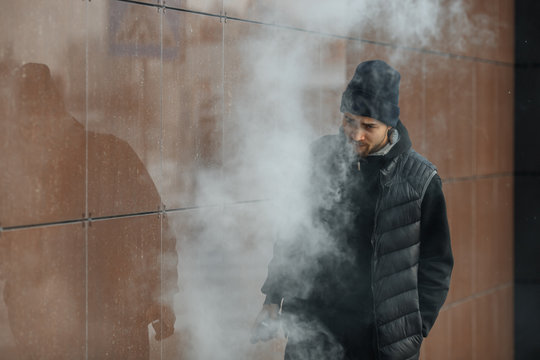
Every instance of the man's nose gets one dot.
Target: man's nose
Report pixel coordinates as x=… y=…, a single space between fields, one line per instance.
x=358 y=135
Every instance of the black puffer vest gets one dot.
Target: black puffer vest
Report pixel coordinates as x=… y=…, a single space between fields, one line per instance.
x=395 y=243
x=395 y=258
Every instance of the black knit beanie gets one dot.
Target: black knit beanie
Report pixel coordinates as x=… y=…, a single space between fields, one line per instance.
x=374 y=92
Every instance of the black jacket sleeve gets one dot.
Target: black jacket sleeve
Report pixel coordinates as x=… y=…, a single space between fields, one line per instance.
x=290 y=266
x=436 y=260
x=271 y=287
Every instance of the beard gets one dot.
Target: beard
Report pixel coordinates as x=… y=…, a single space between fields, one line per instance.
x=364 y=149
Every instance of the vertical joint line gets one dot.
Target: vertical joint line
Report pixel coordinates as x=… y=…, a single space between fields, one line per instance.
x=161 y=302
x=222 y=95
x=161 y=205
x=86 y=184
x=161 y=104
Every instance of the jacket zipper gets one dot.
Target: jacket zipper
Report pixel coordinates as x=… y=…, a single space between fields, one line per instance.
x=377 y=204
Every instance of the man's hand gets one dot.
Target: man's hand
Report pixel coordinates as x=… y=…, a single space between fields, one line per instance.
x=266 y=325
x=162 y=319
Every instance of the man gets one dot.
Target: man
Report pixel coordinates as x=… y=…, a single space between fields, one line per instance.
x=366 y=276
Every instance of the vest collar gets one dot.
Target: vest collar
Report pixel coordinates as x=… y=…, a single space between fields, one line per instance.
x=397 y=151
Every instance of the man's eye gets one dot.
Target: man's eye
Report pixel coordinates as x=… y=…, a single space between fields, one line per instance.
x=369 y=126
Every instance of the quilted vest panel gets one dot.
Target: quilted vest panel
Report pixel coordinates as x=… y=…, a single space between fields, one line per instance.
x=396 y=252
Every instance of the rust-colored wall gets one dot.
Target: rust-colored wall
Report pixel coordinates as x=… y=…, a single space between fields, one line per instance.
x=125 y=104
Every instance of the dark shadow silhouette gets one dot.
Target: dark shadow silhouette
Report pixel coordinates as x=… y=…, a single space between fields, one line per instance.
x=67 y=294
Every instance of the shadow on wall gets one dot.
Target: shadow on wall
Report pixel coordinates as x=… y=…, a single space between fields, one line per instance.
x=74 y=286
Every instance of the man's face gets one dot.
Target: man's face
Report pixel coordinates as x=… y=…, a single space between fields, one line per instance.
x=365 y=134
